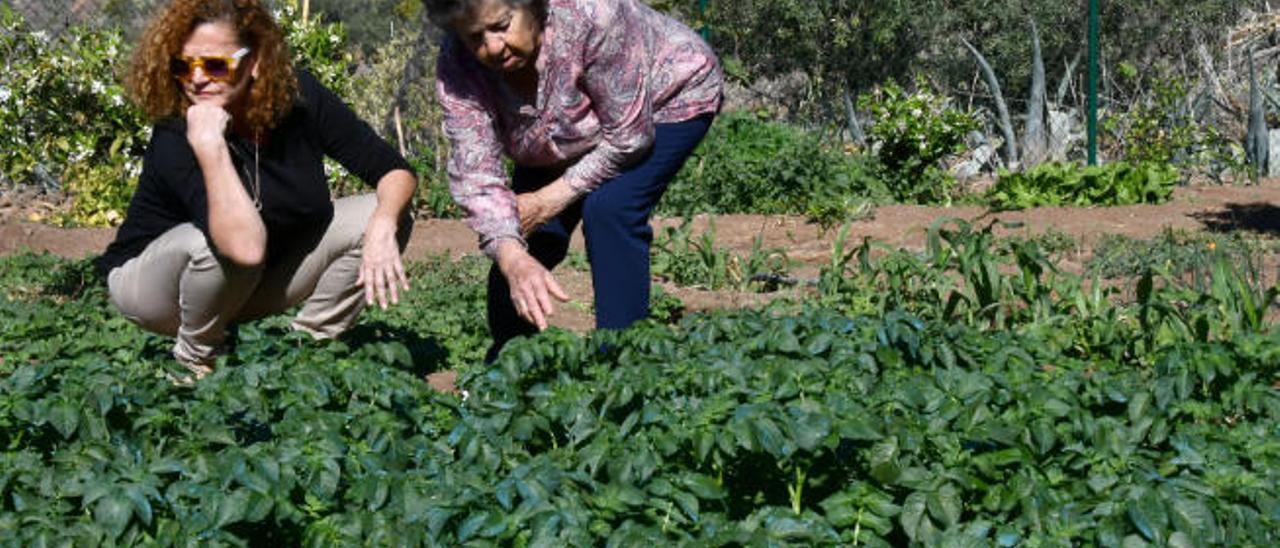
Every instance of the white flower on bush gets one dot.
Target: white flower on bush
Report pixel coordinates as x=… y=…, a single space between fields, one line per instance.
x=97 y=88
x=5 y=94
x=81 y=153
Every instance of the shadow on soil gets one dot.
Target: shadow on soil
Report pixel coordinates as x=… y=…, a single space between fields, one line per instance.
x=1259 y=217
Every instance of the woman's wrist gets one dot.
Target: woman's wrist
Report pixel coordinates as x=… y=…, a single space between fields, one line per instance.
x=210 y=151
x=507 y=252
x=560 y=193
x=384 y=215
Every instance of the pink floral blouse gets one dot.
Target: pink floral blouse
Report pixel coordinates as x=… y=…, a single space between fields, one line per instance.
x=608 y=71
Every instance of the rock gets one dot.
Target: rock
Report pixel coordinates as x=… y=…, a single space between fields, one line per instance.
x=1273 y=145
x=772 y=95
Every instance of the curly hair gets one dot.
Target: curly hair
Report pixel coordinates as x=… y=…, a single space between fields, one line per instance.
x=150 y=84
x=443 y=13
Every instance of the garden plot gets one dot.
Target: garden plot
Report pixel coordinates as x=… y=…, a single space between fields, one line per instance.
x=954 y=385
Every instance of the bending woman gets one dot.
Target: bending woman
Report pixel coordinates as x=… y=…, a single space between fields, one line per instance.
x=232 y=219
x=597 y=103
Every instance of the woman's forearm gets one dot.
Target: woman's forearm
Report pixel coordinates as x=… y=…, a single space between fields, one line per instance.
x=234 y=222
x=395 y=191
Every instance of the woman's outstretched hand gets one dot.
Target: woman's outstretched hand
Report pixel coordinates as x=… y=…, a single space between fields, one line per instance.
x=381 y=269
x=532 y=285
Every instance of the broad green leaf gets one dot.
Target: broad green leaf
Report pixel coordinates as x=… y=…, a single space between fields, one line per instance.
x=1148 y=515
x=914 y=514
x=945 y=505
x=1181 y=540
x=258 y=507
x=65 y=418
x=1100 y=483
x=470 y=526
x=688 y=504
x=859 y=427
x=1193 y=517
x=141 y=506
x=840 y=510
x=810 y=431
x=112 y=512
x=232 y=507
x=1138 y=405
x=1134 y=541
x=703 y=486
x=883 y=459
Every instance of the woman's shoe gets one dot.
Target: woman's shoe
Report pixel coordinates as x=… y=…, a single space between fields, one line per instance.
x=195 y=372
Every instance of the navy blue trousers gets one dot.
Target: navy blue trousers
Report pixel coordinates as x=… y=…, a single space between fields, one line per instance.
x=615 y=225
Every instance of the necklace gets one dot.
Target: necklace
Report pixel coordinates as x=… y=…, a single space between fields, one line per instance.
x=254 y=180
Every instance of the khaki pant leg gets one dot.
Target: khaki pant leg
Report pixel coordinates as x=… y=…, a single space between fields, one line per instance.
x=178 y=287
x=323 y=277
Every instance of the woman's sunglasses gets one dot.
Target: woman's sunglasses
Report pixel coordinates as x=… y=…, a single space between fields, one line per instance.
x=215 y=67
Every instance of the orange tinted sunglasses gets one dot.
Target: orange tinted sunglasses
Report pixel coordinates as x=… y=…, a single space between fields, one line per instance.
x=215 y=67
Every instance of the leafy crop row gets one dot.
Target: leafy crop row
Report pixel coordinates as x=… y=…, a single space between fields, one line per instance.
x=1055 y=184
x=969 y=394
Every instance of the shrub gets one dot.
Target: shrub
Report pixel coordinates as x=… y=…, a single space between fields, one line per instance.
x=66 y=126
x=320 y=48
x=64 y=122
x=1055 y=184
x=1162 y=127
x=748 y=165
x=911 y=133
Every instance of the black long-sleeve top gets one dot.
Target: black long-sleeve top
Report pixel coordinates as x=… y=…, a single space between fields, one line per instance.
x=294 y=189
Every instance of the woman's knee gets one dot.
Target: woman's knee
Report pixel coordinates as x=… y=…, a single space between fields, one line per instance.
x=150 y=289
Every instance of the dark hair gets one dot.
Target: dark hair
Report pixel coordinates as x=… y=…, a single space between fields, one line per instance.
x=443 y=13
x=154 y=89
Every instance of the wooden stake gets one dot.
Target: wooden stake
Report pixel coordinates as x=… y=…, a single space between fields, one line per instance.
x=399 y=132
x=306 y=10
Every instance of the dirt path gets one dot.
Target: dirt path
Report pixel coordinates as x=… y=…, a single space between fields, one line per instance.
x=1211 y=208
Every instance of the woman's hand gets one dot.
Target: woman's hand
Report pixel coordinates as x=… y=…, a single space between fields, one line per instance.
x=381 y=270
x=207 y=126
x=532 y=285
x=542 y=205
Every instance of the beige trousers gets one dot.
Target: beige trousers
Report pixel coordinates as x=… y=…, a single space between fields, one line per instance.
x=178 y=287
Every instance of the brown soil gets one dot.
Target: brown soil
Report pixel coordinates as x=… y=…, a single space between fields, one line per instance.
x=1254 y=209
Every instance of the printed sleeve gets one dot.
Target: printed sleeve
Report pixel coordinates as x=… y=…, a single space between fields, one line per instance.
x=477 y=178
x=616 y=56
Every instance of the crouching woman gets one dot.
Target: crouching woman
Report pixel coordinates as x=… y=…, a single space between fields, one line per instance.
x=232 y=219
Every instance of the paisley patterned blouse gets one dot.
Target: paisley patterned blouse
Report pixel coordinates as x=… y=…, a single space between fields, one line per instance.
x=608 y=71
